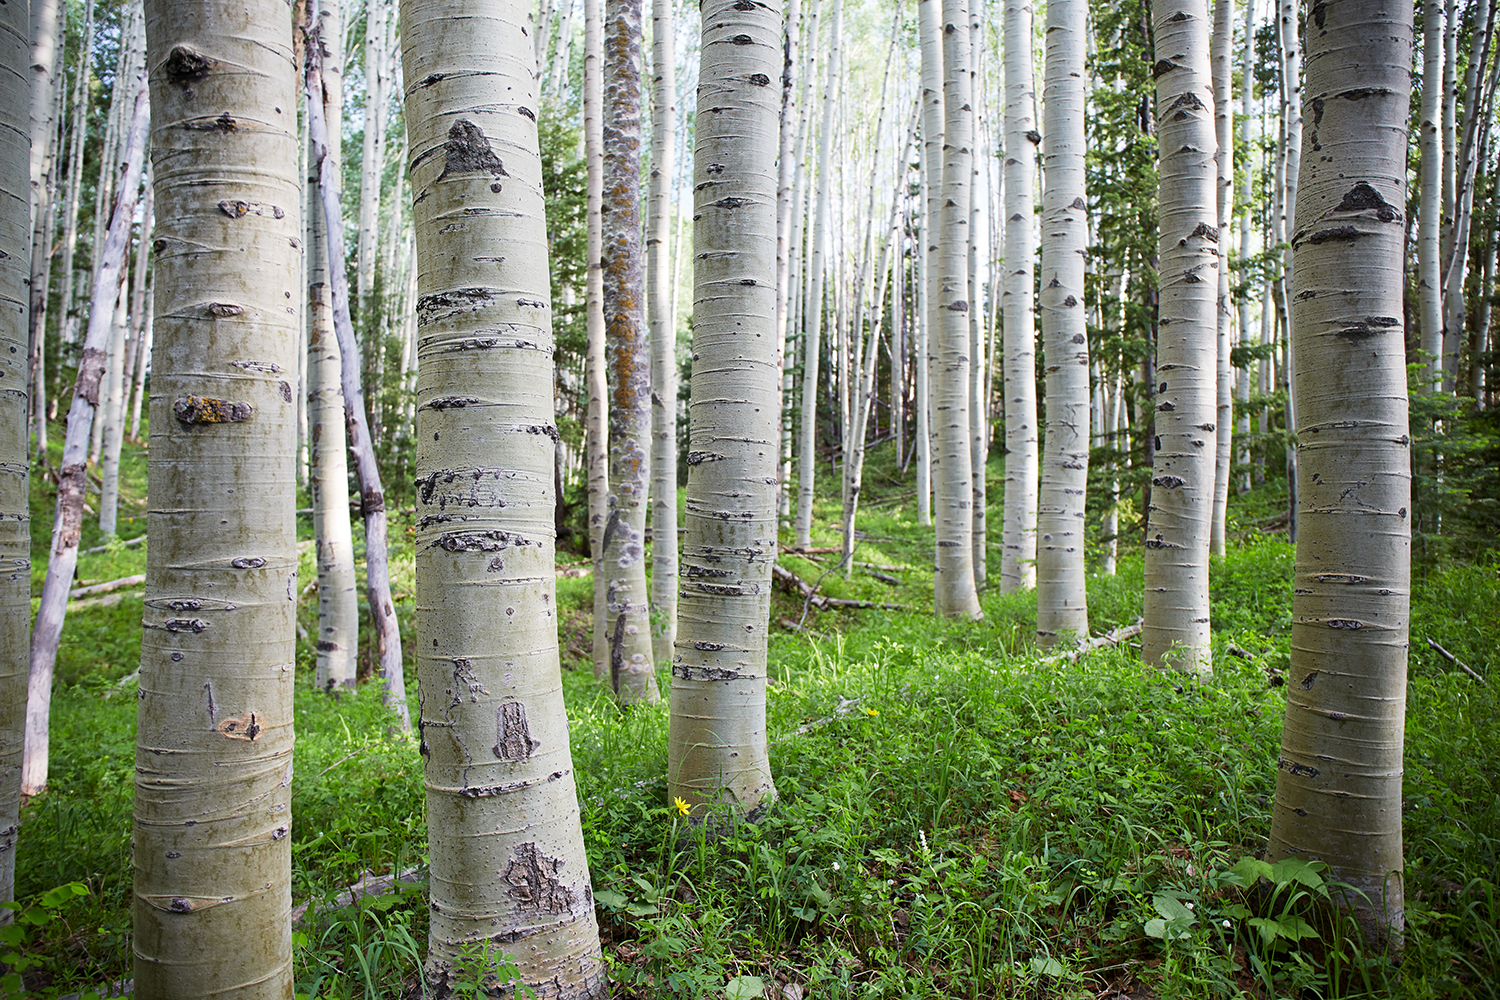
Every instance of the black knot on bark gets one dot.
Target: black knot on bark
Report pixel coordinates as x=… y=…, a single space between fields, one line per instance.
x=742 y=40
x=1364 y=198
x=185 y=67
x=468 y=151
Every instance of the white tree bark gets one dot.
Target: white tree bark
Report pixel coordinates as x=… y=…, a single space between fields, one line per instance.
x=1022 y=445
x=114 y=410
x=82 y=94
x=15 y=521
x=371 y=166
x=596 y=426
x=337 y=645
x=814 y=312
x=929 y=33
x=1221 y=60
x=1061 y=588
x=663 y=332
x=627 y=600
x=68 y=522
x=1247 y=224
x=717 y=739
x=508 y=864
x=212 y=855
x=953 y=587
x=1430 y=208
x=979 y=417
x=1176 y=627
x=1339 y=771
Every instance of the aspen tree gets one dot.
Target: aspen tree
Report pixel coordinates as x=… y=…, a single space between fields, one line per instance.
x=663 y=334
x=372 y=164
x=953 y=587
x=716 y=748
x=796 y=250
x=627 y=602
x=979 y=417
x=792 y=121
x=328 y=467
x=211 y=850
x=15 y=521
x=1022 y=446
x=1176 y=627
x=1339 y=771
x=596 y=426
x=1430 y=208
x=508 y=866
x=67 y=525
x=138 y=395
x=559 y=72
x=113 y=409
x=1221 y=60
x=1061 y=593
x=929 y=32
x=1247 y=106
x=135 y=367
x=81 y=99
x=814 y=312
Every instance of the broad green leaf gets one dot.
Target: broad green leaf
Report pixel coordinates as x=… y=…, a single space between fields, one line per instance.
x=1267 y=927
x=1172 y=908
x=744 y=988
x=1046 y=965
x=1156 y=928
x=614 y=900
x=1253 y=869
x=1293 y=926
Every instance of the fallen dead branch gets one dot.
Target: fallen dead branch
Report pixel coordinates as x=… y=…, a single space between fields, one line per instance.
x=846 y=706
x=1113 y=637
x=138 y=540
x=794 y=583
x=369 y=884
x=1455 y=661
x=105 y=588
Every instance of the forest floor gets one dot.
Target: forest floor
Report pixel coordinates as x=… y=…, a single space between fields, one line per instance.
x=959 y=815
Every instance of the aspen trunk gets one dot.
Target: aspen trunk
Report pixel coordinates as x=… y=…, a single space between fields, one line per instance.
x=663 y=334
x=953 y=587
x=212 y=855
x=508 y=866
x=814 y=312
x=371 y=163
x=793 y=121
x=929 y=477
x=797 y=254
x=72 y=483
x=1429 y=209
x=596 y=428
x=135 y=366
x=1242 y=381
x=15 y=524
x=1176 y=628
x=559 y=72
x=979 y=422
x=1061 y=591
x=1347 y=682
x=717 y=739
x=627 y=602
x=1221 y=59
x=337 y=646
x=139 y=394
x=113 y=410
x=1022 y=446
x=356 y=424
x=82 y=93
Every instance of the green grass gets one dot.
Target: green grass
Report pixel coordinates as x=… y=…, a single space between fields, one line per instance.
x=976 y=821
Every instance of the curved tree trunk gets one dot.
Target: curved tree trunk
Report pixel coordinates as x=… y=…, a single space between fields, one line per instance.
x=1176 y=628
x=953 y=587
x=508 y=866
x=663 y=338
x=67 y=525
x=1346 y=695
x=1062 y=613
x=328 y=458
x=1022 y=446
x=627 y=602
x=15 y=524
x=717 y=740
x=212 y=854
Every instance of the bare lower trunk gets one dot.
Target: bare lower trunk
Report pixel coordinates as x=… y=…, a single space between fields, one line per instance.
x=627 y=602
x=717 y=740
x=1339 y=770
x=663 y=340
x=596 y=428
x=509 y=872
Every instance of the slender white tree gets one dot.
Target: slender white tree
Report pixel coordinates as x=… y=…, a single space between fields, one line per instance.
x=1339 y=772
x=596 y=426
x=1022 y=444
x=1176 y=626
x=663 y=331
x=1430 y=208
x=15 y=522
x=1221 y=60
x=717 y=739
x=509 y=873
x=1061 y=593
x=211 y=845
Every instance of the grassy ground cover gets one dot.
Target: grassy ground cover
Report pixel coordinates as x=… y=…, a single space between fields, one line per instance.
x=959 y=815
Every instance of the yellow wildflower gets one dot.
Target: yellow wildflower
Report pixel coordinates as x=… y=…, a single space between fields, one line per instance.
x=680 y=806
x=872 y=711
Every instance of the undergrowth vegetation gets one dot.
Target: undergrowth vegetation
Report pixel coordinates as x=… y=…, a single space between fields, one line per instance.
x=959 y=815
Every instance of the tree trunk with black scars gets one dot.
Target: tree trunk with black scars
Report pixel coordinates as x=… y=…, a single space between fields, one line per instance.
x=211 y=845
x=1339 y=771
x=663 y=336
x=509 y=873
x=716 y=745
